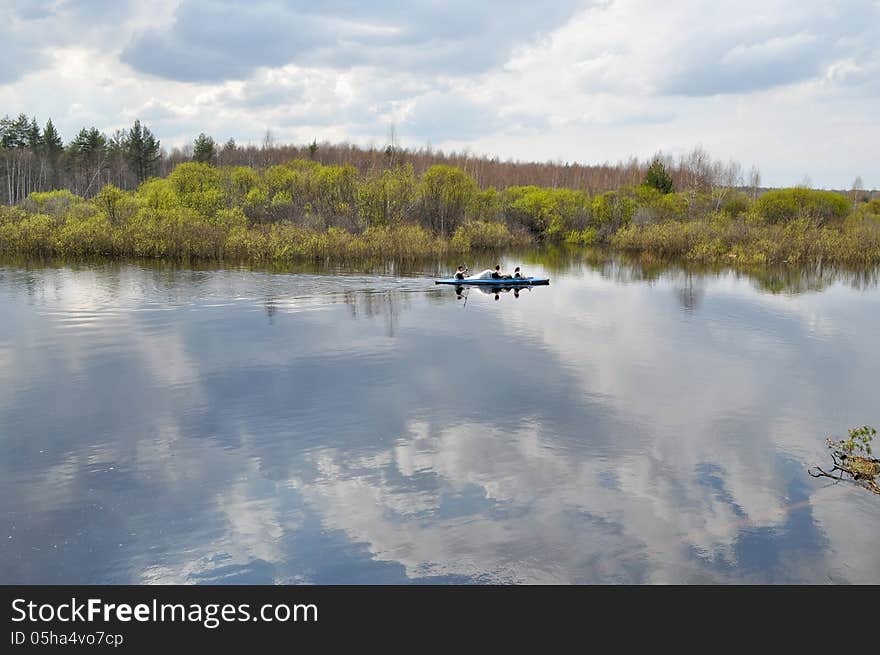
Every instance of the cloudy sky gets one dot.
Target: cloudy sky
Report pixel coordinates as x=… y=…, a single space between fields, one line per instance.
x=790 y=86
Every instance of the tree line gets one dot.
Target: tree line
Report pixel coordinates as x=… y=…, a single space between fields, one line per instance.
x=35 y=158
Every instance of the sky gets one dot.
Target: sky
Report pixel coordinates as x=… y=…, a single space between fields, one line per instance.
x=792 y=87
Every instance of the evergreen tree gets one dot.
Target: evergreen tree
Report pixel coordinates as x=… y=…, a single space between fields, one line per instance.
x=87 y=158
x=53 y=148
x=204 y=149
x=116 y=159
x=141 y=151
x=52 y=144
x=14 y=133
x=658 y=177
x=89 y=145
x=34 y=137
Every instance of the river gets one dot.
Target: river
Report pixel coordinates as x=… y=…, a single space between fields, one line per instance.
x=625 y=424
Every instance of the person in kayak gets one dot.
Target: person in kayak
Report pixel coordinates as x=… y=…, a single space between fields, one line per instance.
x=498 y=275
x=461 y=273
x=517 y=275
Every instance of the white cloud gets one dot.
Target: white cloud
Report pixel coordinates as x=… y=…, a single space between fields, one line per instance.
x=788 y=86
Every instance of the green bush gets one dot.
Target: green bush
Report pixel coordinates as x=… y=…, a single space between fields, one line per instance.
x=445 y=196
x=658 y=177
x=482 y=235
x=546 y=213
x=735 y=204
x=612 y=211
x=786 y=205
x=53 y=203
x=198 y=186
x=586 y=237
x=387 y=198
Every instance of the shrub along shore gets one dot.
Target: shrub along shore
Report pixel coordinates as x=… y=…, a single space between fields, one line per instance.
x=304 y=211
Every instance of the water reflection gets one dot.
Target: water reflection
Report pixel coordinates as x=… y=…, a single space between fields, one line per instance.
x=622 y=425
x=462 y=292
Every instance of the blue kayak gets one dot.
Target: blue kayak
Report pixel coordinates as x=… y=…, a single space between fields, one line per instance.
x=495 y=282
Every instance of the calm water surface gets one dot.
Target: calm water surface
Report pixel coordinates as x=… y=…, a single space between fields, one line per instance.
x=160 y=425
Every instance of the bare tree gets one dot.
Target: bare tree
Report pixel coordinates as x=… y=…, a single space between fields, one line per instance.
x=391 y=149
x=754 y=181
x=724 y=178
x=857 y=188
x=268 y=147
x=697 y=170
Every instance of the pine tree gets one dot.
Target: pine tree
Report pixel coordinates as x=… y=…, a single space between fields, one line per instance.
x=87 y=156
x=204 y=149
x=658 y=177
x=14 y=133
x=52 y=144
x=53 y=148
x=141 y=151
x=34 y=137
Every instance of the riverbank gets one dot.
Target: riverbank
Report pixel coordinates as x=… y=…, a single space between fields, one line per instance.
x=715 y=240
x=721 y=240
x=167 y=237
x=307 y=212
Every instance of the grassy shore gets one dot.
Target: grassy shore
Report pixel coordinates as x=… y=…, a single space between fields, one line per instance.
x=307 y=212
x=43 y=235
x=720 y=239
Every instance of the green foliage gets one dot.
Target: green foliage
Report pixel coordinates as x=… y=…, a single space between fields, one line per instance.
x=55 y=203
x=488 y=205
x=204 y=149
x=281 y=179
x=387 y=198
x=445 y=195
x=585 y=237
x=859 y=441
x=305 y=210
x=611 y=212
x=717 y=238
x=852 y=457
x=198 y=186
x=547 y=213
x=141 y=151
x=255 y=200
x=735 y=204
x=658 y=177
x=88 y=148
x=34 y=234
x=14 y=133
x=230 y=219
x=237 y=182
x=158 y=195
x=88 y=235
x=483 y=235
x=786 y=205
x=112 y=201
x=282 y=200
x=335 y=197
x=652 y=206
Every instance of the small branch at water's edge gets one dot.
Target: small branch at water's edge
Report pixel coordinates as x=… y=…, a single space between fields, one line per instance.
x=860 y=468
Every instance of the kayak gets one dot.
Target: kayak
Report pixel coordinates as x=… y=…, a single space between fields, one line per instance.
x=494 y=282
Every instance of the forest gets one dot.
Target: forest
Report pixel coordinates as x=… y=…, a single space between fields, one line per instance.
x=124 y=196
